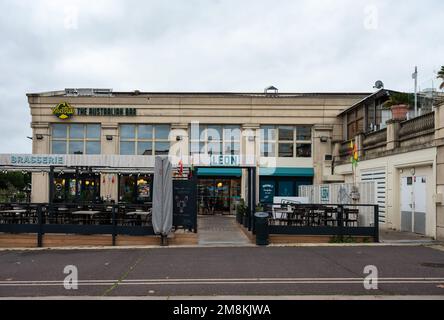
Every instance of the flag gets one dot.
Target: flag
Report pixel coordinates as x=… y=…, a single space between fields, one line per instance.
x=353 y=153
x=180 y=167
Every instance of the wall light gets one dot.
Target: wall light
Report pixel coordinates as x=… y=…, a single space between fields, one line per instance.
x=39 y=136
x=109 y=137
x=324 y=138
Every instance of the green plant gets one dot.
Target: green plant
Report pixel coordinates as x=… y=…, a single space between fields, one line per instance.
x=259 y=208
x=342 y=239
x=241 y=208
x=397 y=98
x=441 y=76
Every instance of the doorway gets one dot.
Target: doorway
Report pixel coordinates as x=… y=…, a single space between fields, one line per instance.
x=218 y=195
x=413 y=204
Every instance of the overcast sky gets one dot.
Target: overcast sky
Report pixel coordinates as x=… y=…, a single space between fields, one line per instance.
x=187 y=45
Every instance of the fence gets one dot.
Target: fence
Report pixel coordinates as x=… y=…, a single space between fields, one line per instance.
x=321 y=219
x=85 y=219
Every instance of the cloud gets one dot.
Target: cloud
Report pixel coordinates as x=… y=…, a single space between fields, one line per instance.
x=298 y=46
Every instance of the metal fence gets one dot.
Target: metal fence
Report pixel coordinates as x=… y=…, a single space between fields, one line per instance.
x=85 y=219
x=322 y=219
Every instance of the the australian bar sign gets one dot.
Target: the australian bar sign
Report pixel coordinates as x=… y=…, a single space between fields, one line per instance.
x=63 y=110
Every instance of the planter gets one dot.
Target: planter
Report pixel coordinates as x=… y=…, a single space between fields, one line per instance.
x=399 y=111
x=245 y=221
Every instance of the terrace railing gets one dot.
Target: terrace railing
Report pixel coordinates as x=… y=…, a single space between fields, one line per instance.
x=324 y=219
x=85 y=219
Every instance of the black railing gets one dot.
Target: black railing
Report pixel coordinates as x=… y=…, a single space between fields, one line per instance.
x=85 y=219
x=324 y=219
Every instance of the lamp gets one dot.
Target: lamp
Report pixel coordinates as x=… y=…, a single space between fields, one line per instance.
x=324 y=138
x=109 y=137
x=178 y=138
x=39 y=136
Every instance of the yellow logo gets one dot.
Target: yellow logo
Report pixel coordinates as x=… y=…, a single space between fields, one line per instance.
x=63 y=110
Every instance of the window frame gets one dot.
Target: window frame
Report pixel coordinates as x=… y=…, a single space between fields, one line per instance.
x=136 y=140
x=222 y=141
x=277 y=140
x=67 y=139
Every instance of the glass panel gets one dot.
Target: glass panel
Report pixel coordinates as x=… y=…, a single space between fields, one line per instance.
x=144 y=188
x=194 y=147
x=127 y=131
x=202 y=133
x=214 y=147
x=303 y=133
x=268 y=133
x=232 y=148
x=93 y=147
x=59 y=130
x=59 y=147
x=266 y=191
x=127 y=188
x=145 y=148
x=214 y=133
x=76 y=131
x=162 y=132
x=127 y=147
x=285 y=150
x=145 y=132
x=286 y=188
x=286 y=133
x=303 y=150
x=232 y=133
x=93 y=131
x=162 y=148
x=268 y=149
x=76 y=147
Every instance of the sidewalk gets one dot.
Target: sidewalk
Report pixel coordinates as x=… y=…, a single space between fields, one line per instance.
x=221 y=230
x=393 y=236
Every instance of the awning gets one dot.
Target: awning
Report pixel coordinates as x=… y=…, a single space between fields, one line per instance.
x=230 y=172
x=287 y=172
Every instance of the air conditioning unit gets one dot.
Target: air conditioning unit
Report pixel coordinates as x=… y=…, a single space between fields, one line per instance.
x=71 y=92
x=105 y=92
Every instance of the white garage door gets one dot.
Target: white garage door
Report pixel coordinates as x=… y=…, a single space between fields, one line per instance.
x=379 y=176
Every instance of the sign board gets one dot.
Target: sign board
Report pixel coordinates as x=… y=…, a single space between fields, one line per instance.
x=63 y=110
x=266 y=192
x=184 y=203
x=224 y=160
x=324 y=192
x=290 y=200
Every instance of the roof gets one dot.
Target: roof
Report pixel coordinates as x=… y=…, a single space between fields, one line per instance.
x=378 y=94
x=61 y=93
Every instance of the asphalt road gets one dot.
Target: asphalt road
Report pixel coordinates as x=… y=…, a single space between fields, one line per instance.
x=402 y=270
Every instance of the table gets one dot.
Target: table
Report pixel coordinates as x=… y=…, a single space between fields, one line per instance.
x=13 y=212
x=87 y=214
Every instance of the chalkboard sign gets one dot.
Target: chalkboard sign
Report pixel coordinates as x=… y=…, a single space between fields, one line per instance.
x=184 y=204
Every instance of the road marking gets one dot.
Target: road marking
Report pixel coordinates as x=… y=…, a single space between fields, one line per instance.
x=107 y=282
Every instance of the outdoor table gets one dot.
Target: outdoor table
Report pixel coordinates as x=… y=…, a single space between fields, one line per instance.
x=87 y=214
x=13 y=212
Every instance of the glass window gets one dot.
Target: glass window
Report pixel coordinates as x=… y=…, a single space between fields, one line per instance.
x=58 y=147
x=231 y=133
x=214 y=133
x=127 y=131
x=268 y=149
x=144 y=148
x=232 y=148
x=93 y=131
x=76 y=147
x=303 y=150
x=92 y=147
x=59 y=131
x=145 y=132
x=285 y=150
x=127 y=147
x=162 y=132
x=268 y=133
x=76 y=131
x=214 y=148
x=286 y=133
x=162 y=148
x=303 y=133
x=216 y=139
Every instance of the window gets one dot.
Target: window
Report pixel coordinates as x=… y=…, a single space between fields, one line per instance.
x=215 y=139
x=355 y=122
x=144 y=139
x=75 y=138
x=291 y=141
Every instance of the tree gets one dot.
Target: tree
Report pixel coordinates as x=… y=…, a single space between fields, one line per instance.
x=441 y=76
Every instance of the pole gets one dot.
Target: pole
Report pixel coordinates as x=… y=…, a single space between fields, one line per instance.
x=415 y=76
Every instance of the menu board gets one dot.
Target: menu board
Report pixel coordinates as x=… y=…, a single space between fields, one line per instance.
x=184 y=204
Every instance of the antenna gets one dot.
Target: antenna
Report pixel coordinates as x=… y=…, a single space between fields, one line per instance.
x=379 y=85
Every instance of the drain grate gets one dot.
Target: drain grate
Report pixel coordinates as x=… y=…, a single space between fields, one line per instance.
x=432 y=265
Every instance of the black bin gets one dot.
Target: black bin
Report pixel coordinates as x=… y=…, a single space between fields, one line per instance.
x=261 y=228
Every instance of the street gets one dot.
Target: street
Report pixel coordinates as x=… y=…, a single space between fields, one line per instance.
x=224 y=271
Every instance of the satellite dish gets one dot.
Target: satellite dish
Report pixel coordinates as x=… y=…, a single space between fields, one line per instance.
x=379 y=85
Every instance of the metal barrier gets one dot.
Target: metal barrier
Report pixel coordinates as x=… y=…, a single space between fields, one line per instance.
x=84 y=219
x=324 y=219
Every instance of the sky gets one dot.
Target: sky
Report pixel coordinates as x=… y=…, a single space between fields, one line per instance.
x=210 y=45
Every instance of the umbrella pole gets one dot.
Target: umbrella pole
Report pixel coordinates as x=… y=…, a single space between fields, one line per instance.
x=164 y=240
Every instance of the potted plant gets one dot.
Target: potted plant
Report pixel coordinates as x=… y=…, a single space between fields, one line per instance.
x=240 y=210
x=399 y=103
x=441 y=76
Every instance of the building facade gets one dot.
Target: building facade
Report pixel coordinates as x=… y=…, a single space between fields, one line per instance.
x=289 y=138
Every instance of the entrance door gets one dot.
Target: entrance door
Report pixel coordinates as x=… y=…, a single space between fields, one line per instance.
x=413 y=204
x=217 y=195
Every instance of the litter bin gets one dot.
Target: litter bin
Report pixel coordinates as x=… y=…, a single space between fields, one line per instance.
x=261 y=228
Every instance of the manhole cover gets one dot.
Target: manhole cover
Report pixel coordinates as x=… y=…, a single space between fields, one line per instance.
x=432 y=265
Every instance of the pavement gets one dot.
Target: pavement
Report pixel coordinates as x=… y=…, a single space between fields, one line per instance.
x=216 y=230
x=160 y=273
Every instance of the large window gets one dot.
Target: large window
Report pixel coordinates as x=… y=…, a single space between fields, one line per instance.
x=144 y=139
x=215 y=139
x=75 y=139
x=285 y=141
x=355 y=122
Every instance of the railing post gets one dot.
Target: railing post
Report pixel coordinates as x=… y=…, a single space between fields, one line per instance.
x=340 y=220
x=376 y=222
x=40 y=227
x=114 y=223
